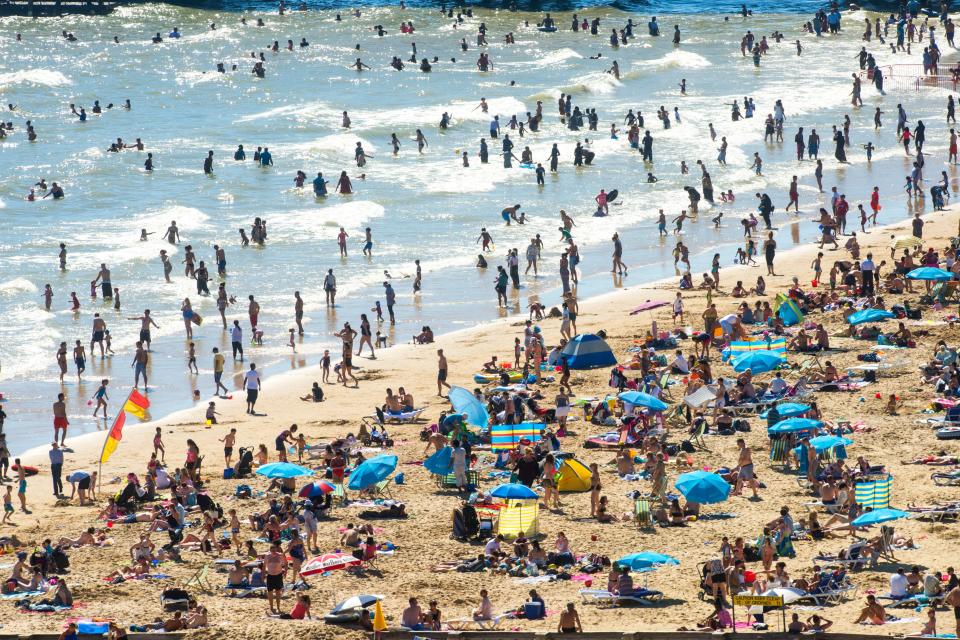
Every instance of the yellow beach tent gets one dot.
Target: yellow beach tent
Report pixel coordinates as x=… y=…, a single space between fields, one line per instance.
x=574 y=476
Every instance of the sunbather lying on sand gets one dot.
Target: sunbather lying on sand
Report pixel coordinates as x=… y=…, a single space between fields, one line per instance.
x=91 y=537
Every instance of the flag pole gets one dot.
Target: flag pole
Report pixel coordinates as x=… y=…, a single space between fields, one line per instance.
x=107 y=439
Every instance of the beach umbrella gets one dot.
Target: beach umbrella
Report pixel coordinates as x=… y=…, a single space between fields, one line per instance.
x=283 y=470
x=878 y=516
x=641 y=399
x=930 y=273
x=372 y=471
x=649 y=305
x=362 y=601
x=758 y=361
x=702 y=487
x=646 y=561
x=788 y=410
x=792 y=425
x=441 y=462
x=825 y=443
x=905 y=242
x=514 y=491
x=869 y=315
x=316 y=489
x=464 y=401
x=328 y=562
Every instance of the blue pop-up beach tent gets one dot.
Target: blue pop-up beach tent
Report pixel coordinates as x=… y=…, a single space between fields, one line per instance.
x=587 y=351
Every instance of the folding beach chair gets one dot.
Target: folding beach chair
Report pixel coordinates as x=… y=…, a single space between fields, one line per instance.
x=381 y=489
x=664 y=384
x=642 y=513
x=696 y=438
x=339 y=495
x=780 y=452
x=200 y=580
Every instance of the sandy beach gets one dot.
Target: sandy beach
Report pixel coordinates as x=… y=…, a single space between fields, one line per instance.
x=423 y=540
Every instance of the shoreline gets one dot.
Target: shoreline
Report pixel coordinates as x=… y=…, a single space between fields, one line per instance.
x=182 y=417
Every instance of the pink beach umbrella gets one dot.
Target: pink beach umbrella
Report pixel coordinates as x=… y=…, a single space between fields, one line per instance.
x=328 y=562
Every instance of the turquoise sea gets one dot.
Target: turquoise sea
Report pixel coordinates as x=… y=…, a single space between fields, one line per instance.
x=424 y=206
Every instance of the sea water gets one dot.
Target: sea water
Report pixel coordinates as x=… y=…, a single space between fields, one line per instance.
x=422 y=206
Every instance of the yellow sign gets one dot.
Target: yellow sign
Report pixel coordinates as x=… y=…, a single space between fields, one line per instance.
x=758 y=601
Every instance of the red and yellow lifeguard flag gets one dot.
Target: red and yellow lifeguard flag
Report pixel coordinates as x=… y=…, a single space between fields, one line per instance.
x=113 y=437
x=136 y=404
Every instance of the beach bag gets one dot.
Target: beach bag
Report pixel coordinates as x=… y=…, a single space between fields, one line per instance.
x=741 y=425
x=243 y=491
x=687 y=447
x=870 y=375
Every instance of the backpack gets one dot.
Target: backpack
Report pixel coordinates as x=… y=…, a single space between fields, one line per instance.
x=687 y=447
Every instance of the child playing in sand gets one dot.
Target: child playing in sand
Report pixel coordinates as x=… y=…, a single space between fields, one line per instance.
x=8 y=503
x=212 y=413
x=892 y=405
x=235 y=530
x=301 y=445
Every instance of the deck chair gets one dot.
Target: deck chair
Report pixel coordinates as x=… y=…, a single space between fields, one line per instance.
x=200 y=580
x=664 y=383
x=449 y=481
x=780 y=452
x=339 y=494
x=659 y=489
x=642 y=513
x=886 y=544
x=639 y=595
x=381 y=489
x=696 y=438
x=468 y=624
x=852 y=557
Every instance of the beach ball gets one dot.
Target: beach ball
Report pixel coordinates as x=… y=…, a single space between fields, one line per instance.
x=109 y=524
x=862 y=399
x=877 y=396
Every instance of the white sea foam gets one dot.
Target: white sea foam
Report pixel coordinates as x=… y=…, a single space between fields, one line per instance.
x=38 y=77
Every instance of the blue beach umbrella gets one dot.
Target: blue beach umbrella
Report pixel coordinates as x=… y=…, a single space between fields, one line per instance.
x=464 y=401
x=869 y=315
x=930 y=273
x=793 y=425
x=641 y=399
x=646 y=561
x=283 y=470
x=824 y=443
x=441 y=462
x=514 y=491
x=703 y=487
x=758 y=361
x=372 y=471
x=788 y=410
x=878 y=516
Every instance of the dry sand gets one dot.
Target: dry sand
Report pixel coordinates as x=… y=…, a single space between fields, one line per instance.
x=424 y=539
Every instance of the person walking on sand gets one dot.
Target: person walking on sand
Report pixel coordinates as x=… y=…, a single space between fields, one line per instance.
x=441 y=373
x=745 y=474
x=251 y=382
